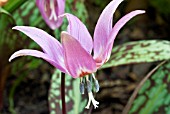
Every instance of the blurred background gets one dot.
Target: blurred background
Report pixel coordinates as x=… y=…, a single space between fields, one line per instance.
x=25 y=82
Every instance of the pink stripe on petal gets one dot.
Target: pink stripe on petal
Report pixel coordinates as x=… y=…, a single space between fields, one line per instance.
x=38 y=54
x=49 y=44
x=79 y=31
x=78 y=61
x=104 y=27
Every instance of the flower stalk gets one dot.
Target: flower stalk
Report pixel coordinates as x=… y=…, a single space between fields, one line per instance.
x=63 y=93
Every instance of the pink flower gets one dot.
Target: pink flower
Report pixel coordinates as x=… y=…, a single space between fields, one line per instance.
x=50 y=10
x=73 y=54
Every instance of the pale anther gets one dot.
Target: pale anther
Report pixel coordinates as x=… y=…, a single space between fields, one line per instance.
x=96 y=83
x=89 y=85
x=81 y=86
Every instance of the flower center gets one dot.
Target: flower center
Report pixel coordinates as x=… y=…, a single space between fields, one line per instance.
x=53 y=13
x=90 y=83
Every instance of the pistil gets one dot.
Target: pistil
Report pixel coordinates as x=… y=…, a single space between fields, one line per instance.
x=53 y=13
x=91 y=98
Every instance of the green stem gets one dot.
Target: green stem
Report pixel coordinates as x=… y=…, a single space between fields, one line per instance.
x=63 y=93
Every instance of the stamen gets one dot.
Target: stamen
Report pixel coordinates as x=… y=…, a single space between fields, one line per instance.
x=89 y=86
x=91 y=98
x=53 y=13
x=93 y=76
x=96 y=83
x=81 y=86
x=87 y=83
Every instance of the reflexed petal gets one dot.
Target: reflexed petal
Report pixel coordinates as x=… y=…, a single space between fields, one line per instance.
x=50 y=10
x=78 y=61
x=104 y=50
x=116 y=29
x=38 y=54
x=104 y=27
x=48 y=43
x=79 y=31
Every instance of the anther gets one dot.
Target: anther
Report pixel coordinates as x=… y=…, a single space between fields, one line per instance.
x=89 y=86
x=96 y=83
x=81 y=88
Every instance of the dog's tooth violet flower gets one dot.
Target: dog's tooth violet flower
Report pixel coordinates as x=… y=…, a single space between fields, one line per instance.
x=73 y=55
x=50 y=10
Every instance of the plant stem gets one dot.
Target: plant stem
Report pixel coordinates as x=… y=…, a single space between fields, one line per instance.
x=63 y=93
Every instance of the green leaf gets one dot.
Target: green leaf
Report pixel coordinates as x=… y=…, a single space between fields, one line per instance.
x=153 y=94
x=13 y=5
x=75 y=103
x=6 y=20
x=139 y=52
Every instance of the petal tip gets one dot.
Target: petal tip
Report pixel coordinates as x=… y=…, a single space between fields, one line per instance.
x=11 y=58
x=15 y=27
x=141 y=11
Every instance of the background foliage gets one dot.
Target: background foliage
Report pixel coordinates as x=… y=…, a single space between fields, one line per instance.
x=32 y=73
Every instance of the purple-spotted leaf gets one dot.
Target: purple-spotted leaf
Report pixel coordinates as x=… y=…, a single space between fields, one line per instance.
x=153 y=93
x=139 y=52
x=75 y=102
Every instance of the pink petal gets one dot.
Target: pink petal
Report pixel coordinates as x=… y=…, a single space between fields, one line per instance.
x=38 y=54
x=48 y=43
x=78 y=61
x=106 y=52
x=46 y=11
x=116 y=29
x=104 y=27
x=79 y=31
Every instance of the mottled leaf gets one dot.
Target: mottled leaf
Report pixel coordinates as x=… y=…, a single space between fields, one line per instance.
x=154 y=95
x=139 y=52
x=75 y=103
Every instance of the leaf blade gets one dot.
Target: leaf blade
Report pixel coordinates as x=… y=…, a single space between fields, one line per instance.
x=139 y=52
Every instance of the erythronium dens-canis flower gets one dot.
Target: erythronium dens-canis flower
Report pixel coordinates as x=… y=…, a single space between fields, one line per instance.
x=50 y=10
x=73 y=54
